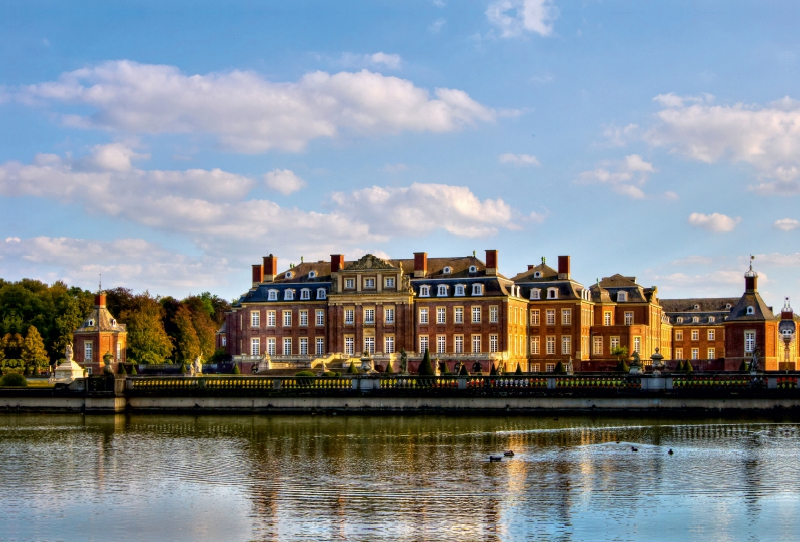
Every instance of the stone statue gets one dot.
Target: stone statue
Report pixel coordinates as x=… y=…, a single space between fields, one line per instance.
x=570 y=369
x=68 y=353
x=403 y=362
x=191 y=369
x=197 y=366
x=754 y=360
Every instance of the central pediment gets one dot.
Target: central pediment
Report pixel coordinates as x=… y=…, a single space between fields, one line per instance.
x=370 y=263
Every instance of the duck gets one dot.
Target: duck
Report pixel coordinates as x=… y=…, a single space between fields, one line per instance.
x=634 y=449
x=494 y=458
x=670 y=452
x=509 y=453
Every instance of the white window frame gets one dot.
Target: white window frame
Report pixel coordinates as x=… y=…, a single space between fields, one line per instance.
x=304 y=318
x=319 y=317
x=458 y=315
x=637 y=345
x=712 y=335
x=711 y=319
x=749 y=341
x=288 y=295
x=388 y=282
x=441 y=315
x=678 y=334
x=458 y=341
x=535 y=346
x=550 y=317
x=349 y=317
x=320 y=346
x=695 y=334
x=493 y=312
x=566 y=344
x=695 y=353
x=424 y=291
x=424 y=344
x=535 y=317
x=349 y=346
x=287 y=346
x=622 y=297
x=536 y=293
x=476 y=314
x=550 y=344
x=369 y=316
x=711 y=353
x=287 y=318
x=493 y=343
x=441 y=344
x=607 y=321
x=552 y=293
x=271 y=318
x=477 y=289
x=303 y=346
x=549 y=367
x=272 y=348
x=305 y=294
x=423 y=315
x=369 y=284
x=88 y=350
x=350 y=284
x=388 y=315
x=255 y=318
x=476 y=344
x=272 y=295
x=321 y=293
x=442 y=290
x=679 y=353
x=459 y=290
x=629 y=318
x=597 y=346
x=255 y=346
x=566 y=317
x=613 y=342
x=388 y=344
x=369 y=345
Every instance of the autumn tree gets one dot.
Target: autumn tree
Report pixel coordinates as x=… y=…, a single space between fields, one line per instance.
x=147 y=341
x=34 y=353
x=187 y=344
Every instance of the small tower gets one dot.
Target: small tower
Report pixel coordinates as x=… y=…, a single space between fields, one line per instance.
x=787 y=329
x=99 y=337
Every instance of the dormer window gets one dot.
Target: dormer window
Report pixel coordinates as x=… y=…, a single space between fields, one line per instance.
x=272 y=295
x=552 y=293
x=536 y=293
x=312 y=274
x=442 y=291
x=697 y=307
x=90 y=323
x=459 y=289
x=473 y=269
x=424 y=291
x=711 y=319
x=305 y=293
x=728 y=306
x=113 y=323
x=288 y=295
x=447 y=270
x=388 y=282
x=751 y=310
x=679 y=319
x=622 y=296
x=519 y=291
x=321 y=293
x=537 y=275
x=477 y=289
x=289 y=274
x=695 y=319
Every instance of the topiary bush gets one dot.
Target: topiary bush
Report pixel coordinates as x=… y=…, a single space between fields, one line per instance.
x=519 y=370
x=426 y=367
x=389 y=370
x=184 y=369
x=493 y=371
x=13 y=379
x=743 y=366
x=688 y=367
x=352 y=370
x=332 y=374
x=236 y=370
x=133 y=370
x=560 y=369
x=623 y=367
x=463 y=371
x=305 y=373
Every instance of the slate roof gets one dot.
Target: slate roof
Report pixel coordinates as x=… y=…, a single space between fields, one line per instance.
x=707 y=304
x=101 y=320
x=545 y=271
x=608 y=287
x=761 y=311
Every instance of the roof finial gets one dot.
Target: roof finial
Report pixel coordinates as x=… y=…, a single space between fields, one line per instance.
x=542 y=260
x=751 y=261
x=100 y=284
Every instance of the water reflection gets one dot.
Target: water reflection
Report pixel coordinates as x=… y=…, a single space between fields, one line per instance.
x=74 y=477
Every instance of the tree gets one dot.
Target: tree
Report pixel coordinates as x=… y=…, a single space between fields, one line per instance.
x=389 y=369
x=425 y=366
x=463 y=371
x=689 y=368
x=493 y=370
x=352 y=370
x=743 y=366
x=621 y=353
x=186 y=342
x=680 y=367
x=33 y=350
x=519 y=369
x=560 y=369
x=147 y=341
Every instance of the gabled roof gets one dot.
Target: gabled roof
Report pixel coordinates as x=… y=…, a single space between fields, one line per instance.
x=101 y=320
x=545 y=271
x=761 y=311
x=606 y=290
x=301 y=273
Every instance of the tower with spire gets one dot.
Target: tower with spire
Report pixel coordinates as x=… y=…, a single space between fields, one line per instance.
x=100 y=340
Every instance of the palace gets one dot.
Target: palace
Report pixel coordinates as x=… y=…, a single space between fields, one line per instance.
x=463 y=310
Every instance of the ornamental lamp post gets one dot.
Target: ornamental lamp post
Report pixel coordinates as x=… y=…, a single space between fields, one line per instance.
x=658 y=363
x=787 y=329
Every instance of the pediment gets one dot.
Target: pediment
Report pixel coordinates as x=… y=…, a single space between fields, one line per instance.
x=369 y=263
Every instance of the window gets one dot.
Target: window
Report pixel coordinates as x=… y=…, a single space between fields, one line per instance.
x=459 y=340
x=349 y=316
x=446 y=270
x=442 y=291
x=566 y=317
x=613 y=343
x=712 y=354
x=679 y=353
x=320 y=346
x=388 y=344
x=476 y=344
x=287 y=346
x=473 y=269
x=312 y=274
x=87 y=351
x=711 y=319
x=749 y=341
x=388 y=282
x=441 y=315
x=423 y=317
x=424 y=291
x=607 y=318
x=551 y=344
x=369 y=316
x=119 y=349
x=288 y=295
x=695 y=319
x=369 y=284
x=566 y=344
x=255 y=319
x=255 y=346
x=458 y=315
x=321 y=294
x=535 y=368
x=598 y=346
x=303 y=346
x=637 y=345
x=728 y=306
x=477 y=289
x=271 y=350
x=679 y=335
x=289 y=275
x=550 y=316
x=552 y=293
x=320 y=320
x=711 y=335
x=441 y=344
x=536 y=293
x=272 y=295
x=695 y=335
x=287 y=318
x=349 y=284
x=388 y=316
x=535 y=317
x=459 y=290
x=349 y=346
x=679 y=319
x=369 y=345
x=751 y=310
x=303 y=318
x=628 y=318
x=493 y=343
x=476 y=315
x=305 y=293
x=697 y=307
x=622 y=296
x=549 y=367
x=695 y=353
x=423 y=343
x=493 y=314
x=535 y=346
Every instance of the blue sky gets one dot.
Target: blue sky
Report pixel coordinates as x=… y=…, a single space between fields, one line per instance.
x=170 y=145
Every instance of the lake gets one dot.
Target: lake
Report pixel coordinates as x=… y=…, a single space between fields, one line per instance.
x=158 y=477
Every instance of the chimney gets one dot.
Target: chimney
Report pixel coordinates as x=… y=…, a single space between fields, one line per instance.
x=337 y=262
x=420 y=264
x=563 y=267
x=530 y=266
x=258 y=274
x=491 y=262
x=270 y=268
x=100 y=300
x=787 y=313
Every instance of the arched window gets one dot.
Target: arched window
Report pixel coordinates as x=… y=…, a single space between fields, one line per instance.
x=424 y=291
x=477 y=289
x=312 y=274
x=321 y=293
x=289 y=275
x=459 y=289
x=473 y=269
x=622 y=296
x=751 y=310
x=537 y=275
x=305 y=293
x=442 y=291
x=536 y=293
x=288 y=295
x=447 y=270
x=272 y=295
x=711 y=319
x=552 y=293
x=679 y=319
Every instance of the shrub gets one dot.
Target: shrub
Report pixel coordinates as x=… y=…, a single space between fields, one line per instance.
x=463 y=371
x=352 y=370
x=680 y=367
x=305 y=373
x=13 y=379
x=28 y=370
x=493 y=371
x=743 y=366
x=560 y=369
x=133 y=370
x=426 y=367
x=236 y=370
x=331 y=374
x=121 y=369
x=519 y=369
x=389 y=369
x=184 y=369
x=688 y=367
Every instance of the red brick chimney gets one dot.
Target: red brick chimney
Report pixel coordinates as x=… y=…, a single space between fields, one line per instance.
x=530 y=266
x=100 y=300
x=563 y=267
x=337 y=262
x=420 y=264
x=270 y=268
x=258 y=274
x=491 y=262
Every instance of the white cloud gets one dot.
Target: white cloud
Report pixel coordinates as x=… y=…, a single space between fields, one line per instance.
x=767 y=138
x=786 y=224
x=525 y=16
x=626 y=177
x=375 y=60
x=248 y=113
x=715 y=222
x=519 y=159
x=777 y=259
x=620 y=136
x=394 y=168
x=717 y=283
x=284 y=181
x=437 y=26
x=693 y=260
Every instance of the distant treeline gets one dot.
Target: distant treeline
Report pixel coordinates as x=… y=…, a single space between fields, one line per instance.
x=37 y=321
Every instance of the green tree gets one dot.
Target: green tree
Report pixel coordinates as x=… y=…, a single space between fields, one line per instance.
x=426 y=367
x=560 y=369
x=463 y=371
x=187 y=343
x=621 y=353
x=519 y=369
x=493 y=370
x=352 y=370
x=34 y=353
x=389 y=369
x=147 y=341
x=688 y=367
